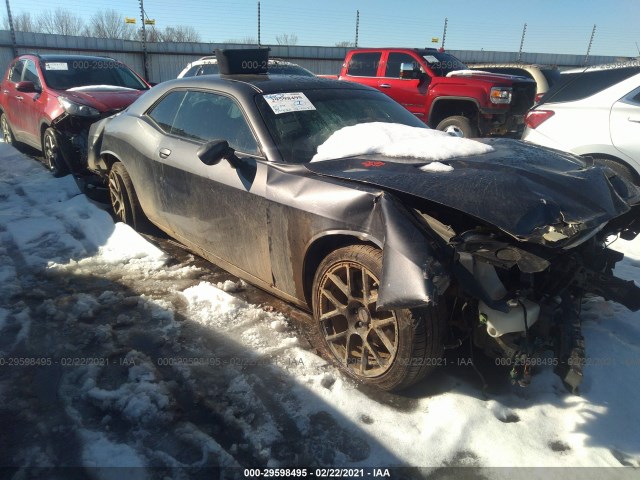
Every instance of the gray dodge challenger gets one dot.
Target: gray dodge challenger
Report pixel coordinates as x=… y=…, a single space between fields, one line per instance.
x=393 y=258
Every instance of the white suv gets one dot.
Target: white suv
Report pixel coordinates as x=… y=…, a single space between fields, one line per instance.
x=209 y=66
x=593 y=112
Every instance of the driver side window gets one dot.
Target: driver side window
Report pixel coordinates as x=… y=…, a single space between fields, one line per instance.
x=394 y=61
x=31 y=74
x=205 y=116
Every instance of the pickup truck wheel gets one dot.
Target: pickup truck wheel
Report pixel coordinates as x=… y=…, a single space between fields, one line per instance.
x=458 y=126
x=124 y=200
x=388 y=349
x=51 y=153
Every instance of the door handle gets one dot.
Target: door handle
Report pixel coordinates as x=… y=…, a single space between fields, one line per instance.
x=164 y=152
x=6 y=92
x=19 y=97
x=634 y=119
x=384 y=85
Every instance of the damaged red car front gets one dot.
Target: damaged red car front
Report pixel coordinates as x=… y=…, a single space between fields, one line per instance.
x=50 y=101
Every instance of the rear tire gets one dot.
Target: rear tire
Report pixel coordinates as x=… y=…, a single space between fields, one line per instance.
x=390 y=350
x=7 y=133
x=124 y=200
x=51 y=154
x=458 y=126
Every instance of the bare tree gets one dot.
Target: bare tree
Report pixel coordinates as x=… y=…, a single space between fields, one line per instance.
x=346 y=43
x=62 y=22
x=245 y=40
x=111 y=24
x=287 y=39
x=22 y=22
x=180 y=33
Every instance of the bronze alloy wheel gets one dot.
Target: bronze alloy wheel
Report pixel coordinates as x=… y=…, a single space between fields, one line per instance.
x=117 y=196
x=124 y=200
x=363 y=340
x=387 y=349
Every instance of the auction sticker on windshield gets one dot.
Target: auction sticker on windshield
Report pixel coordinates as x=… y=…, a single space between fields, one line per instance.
x=56 y=66
x=431 y=59
x=288 y=102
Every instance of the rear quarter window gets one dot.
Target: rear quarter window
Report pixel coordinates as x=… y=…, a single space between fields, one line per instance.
x=164 y=112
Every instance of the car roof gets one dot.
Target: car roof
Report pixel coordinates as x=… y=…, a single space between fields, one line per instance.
x=65 y=57
x=262 y=83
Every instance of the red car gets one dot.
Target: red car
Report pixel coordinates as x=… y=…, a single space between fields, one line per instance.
x=50 y=101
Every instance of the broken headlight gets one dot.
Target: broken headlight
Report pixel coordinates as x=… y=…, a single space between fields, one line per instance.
x=78 y=109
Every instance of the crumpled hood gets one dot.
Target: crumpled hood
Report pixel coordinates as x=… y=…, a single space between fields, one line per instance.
x=104 y=100
x=518 y=188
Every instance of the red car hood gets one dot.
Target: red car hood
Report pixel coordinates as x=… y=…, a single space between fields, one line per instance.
x=104 y=98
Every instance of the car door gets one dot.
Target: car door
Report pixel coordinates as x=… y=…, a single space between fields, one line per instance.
x=33 y=104
x=409 y=92
x=14 y=99
x=220 y=208
x=365 y=66
x=624 y=123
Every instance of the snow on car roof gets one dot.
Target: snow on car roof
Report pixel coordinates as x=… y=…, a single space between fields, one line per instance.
x=398 y=141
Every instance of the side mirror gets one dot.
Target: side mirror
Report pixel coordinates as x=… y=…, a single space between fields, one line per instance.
x=26 y=87
x=408 y=71
x=425 y=79
x=212 y=152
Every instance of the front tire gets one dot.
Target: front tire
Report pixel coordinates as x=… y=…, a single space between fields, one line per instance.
x=51 y=153
x=458 y=126
x=124 y=200
x=390 y=350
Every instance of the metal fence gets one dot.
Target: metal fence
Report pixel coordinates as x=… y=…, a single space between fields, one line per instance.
x=164 y=60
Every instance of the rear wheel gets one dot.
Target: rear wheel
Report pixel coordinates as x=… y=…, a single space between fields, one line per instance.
x=389 y=349
x=7 y=134
x=124 y=200
x=51 y=153
x=458 y=126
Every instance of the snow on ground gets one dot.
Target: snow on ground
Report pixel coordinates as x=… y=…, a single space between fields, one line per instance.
x=114 y=354
x=399 y=141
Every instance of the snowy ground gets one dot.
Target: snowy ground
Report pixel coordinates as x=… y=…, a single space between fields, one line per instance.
x=114 y=353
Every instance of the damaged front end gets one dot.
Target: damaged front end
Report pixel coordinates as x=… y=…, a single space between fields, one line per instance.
x=520 y=300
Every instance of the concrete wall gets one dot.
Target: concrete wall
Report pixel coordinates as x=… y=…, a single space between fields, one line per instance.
x=166 y=60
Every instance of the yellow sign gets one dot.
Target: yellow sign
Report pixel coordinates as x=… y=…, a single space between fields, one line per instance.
x=129 y=20
x=435 y=39
x=150 y=21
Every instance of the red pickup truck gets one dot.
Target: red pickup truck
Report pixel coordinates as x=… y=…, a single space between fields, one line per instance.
x=439 y=89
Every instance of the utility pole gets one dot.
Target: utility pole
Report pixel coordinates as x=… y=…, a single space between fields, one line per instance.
x=444 y=33
x=14 y=44
x=593 y=34
x=357 y=26
x=258 y=23
x=524 y=32
x=144 y=42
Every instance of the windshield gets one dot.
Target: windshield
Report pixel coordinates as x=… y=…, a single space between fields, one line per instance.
x=65 y=74
x=297 y=134
x=442 y=63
